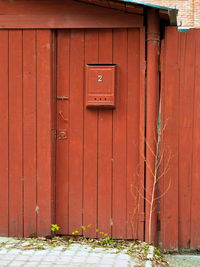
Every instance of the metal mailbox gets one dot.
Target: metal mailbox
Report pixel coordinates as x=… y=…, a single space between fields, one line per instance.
x=100 y=85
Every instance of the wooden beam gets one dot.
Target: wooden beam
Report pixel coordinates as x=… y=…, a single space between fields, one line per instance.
x=63 y=14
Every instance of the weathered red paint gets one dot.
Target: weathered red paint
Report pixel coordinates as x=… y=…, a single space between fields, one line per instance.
x=26 y=167
x=99 y=168
x=180 y=111
x=62 y=146
x=4 y=140
x=152 y=95
x=169 y=211
x=63 y=14
x=16 y=183
x=105 y=144
x=29 y=130
x=101 y=190
x=44 y=131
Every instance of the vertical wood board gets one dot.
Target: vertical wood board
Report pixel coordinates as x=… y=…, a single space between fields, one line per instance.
x=29 y=130
x=15 y=134
x=4 y=138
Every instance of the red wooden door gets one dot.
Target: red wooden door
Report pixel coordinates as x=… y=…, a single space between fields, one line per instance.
x=99 y=154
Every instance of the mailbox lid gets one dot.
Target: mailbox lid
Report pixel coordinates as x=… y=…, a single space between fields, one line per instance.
x=100 y=84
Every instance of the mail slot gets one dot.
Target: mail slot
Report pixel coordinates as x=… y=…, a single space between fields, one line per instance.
x=100 y=85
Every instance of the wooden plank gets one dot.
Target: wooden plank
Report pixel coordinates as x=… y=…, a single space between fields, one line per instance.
x=170 y=109
x=134 y=9
x=117 y=5
x=62 y=146
x=4 y=133
x=105 y=145
x=141 y=219
x=119 y=136
x=195 y=196
x=15 y=134
x=162 y=118
x=29 y=130
x=76 y=130
x=97 y=3
x=133 y=132
x=90 y=144
x=185 y=135
x=44 y=135
x=53 y=121
x=63 y=14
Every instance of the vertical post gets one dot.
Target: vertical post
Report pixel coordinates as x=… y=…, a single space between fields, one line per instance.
x=152 y=97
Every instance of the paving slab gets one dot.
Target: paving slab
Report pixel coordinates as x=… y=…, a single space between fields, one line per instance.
x=7 y=239
x=183 y=260
x=74 y=255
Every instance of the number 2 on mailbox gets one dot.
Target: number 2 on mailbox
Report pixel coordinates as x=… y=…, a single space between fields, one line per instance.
x=100 y=78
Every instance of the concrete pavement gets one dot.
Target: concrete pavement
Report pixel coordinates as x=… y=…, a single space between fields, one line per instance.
x=74 y=255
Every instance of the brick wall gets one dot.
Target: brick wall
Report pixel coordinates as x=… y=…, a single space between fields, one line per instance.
x=189 y=10
x=197 y=13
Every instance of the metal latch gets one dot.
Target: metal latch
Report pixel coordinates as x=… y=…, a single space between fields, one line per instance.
x=62 y=98
x=62 y=116
x=61 y=134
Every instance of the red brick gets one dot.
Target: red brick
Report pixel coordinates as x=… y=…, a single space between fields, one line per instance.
x=189 y=10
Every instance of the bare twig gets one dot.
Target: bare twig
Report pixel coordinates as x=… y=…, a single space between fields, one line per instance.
x=161 y=154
